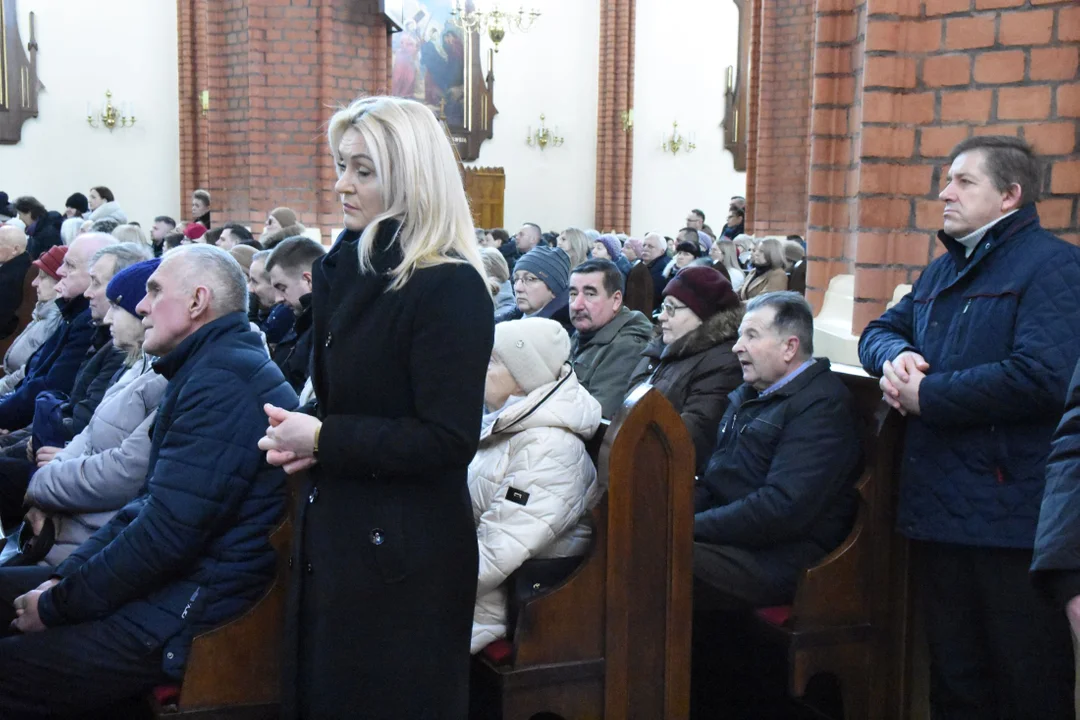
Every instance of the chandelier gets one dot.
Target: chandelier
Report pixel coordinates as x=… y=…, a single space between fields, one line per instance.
x=495 y=21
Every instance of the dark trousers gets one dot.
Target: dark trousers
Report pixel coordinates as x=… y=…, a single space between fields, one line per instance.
x=70 y=670
x=14 y=479
x=750 y=579
x=998 y=650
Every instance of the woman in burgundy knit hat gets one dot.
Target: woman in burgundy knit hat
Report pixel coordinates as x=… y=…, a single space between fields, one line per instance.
x=43 y=321
x=691 y=360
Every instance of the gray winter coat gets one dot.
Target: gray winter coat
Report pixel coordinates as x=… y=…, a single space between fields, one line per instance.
x=104 y=467
x=605 y=361
x=43 y=322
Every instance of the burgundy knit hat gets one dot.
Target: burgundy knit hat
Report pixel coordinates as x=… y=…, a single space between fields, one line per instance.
x=703 y=290
x=51 y=260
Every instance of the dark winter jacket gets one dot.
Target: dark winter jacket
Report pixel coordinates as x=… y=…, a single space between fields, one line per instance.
x=46 y=234
x=659 y=280
x=1056 y=567
x=103 y=362
x=1001 y=333
x=510 y=252
x=781 y=480
x=696 y=373
x=385 y=555
x=194 y=550
x=12 y=277
x=293 y=354
x=54 y=365
x=604 y=360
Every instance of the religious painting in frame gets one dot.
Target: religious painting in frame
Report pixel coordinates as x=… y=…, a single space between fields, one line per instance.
x=437 y=63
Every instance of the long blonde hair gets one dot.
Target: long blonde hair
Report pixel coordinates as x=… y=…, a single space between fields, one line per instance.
x=578 y=243
x=420 y=183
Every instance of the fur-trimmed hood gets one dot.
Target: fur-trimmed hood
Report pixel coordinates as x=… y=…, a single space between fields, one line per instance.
x=721 y=327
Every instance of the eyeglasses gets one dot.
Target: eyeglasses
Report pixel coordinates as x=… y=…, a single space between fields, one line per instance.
x=526 y=279
x=671 y=308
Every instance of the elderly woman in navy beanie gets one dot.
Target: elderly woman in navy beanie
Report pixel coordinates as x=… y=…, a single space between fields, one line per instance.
x=541 y=284
x=692 y=361
x=608 y=247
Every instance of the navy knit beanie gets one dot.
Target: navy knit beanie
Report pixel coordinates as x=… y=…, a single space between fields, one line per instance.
x=550 y=264
x=128 y=287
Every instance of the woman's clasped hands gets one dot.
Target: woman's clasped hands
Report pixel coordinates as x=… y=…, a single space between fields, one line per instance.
x=290 y=439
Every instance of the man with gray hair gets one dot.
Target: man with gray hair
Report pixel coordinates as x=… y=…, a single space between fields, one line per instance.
x=56 y=363
x=778 y=493
x=117 y=617
x=14 y=264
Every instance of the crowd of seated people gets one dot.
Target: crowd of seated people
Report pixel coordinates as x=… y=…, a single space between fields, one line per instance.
x=137 y=502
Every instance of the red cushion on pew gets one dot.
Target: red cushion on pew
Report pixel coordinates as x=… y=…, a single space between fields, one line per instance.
x=499 y=652
x=167 y=694
x=778 y=615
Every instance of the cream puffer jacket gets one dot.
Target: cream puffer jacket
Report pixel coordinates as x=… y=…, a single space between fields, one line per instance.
x=535 y=446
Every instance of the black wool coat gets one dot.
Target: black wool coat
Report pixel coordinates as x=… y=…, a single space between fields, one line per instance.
x=12 y=277
x=384 y=564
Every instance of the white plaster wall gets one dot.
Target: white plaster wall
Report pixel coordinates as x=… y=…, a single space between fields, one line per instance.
x=131 y=50
x=551 y=69
x=683 y=48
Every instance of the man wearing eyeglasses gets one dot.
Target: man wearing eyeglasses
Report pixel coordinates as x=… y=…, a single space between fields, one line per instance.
x=541 y=281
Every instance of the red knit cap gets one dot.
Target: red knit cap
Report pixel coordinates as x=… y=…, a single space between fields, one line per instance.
x=703 y=290
x=51 y=260
x=194 y=231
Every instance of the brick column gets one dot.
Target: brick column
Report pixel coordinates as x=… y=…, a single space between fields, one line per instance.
x=276 y=70
x=614 y=147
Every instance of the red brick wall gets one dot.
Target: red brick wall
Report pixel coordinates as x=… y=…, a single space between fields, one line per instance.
x=781 y=49
x=275 y=70
x=614 y=147
x=897 y=83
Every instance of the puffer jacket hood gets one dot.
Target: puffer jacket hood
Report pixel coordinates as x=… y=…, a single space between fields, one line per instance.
x=531 y=483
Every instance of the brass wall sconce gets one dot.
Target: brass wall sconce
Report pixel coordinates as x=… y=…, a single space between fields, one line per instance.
x=543 y=136
x=495 y=21
x=627 y=118
x=677 y=141
x=204 y=102
x=111 y=115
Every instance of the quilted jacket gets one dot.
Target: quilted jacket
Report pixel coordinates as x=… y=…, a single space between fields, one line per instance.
x=103 y=468
x=531 y=483
x=1056 y=566
x=53 y=367
x=43 y=323
x=1001 y=333
x=193 y=551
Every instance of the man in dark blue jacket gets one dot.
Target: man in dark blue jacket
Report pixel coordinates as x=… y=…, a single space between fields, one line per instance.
x=56 y=363
x=193 y=552
x=978 y=356
x=778 y=494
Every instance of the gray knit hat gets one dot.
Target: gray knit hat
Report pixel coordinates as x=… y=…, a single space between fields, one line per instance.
x=552 y=265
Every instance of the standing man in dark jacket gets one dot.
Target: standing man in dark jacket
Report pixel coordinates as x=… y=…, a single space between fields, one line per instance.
x=778 y=494
x=14 y=264
x=289 y=267
x=978 y=356
x=56 y=363
x=117 y=617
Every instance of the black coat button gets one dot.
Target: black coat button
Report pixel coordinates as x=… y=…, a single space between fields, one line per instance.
x=309 y=569
x=329 y=338
x=377 y=537
x=314 y=495
x=290 y=563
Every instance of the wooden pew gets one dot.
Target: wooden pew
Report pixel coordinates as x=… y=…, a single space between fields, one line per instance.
x=640 y=292
x=851 y=611
x=613 y=639
x=25 y=313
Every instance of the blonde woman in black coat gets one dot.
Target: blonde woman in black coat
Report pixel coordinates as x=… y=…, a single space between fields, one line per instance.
x=384 y=554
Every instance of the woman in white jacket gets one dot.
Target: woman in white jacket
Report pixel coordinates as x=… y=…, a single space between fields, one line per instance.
x=532 y=480
x=104 y=467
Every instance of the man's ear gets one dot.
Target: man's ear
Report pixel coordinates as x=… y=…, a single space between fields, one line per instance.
x=307 y=280
x=791 y=349
x=616 y=299
x=200 y=301
x=1011 y=200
